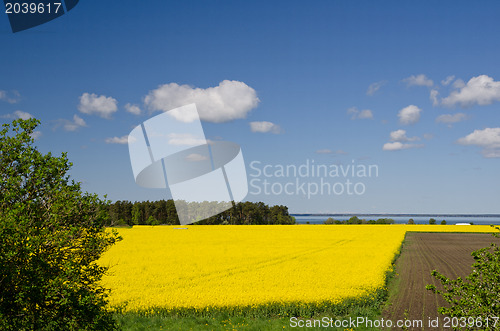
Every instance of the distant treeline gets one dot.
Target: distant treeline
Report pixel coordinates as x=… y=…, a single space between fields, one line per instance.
x=356 y=220
x=164 y=212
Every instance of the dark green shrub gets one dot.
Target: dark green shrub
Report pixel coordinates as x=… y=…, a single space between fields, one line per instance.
x=51 y=235
x=477 y=296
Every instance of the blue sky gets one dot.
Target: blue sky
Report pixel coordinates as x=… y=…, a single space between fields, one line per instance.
x=410 y=87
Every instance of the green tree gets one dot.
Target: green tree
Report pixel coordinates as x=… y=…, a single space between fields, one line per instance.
x=443 y=222
x=432 y=221
x=329 y=221
x=477 y=295
x=51 y=235
x=411 y=221
x=353 y=220
x=136 y=214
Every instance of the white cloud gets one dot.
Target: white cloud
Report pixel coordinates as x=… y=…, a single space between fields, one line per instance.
x=228 y=101
x=73 y=125
x=488 y=139
x=196 y=157
x=133 y=109
x=409 y=115
x=102 y=105
x=22 y=115
x=428 y=136
x=36 y=134
x=458 y=83
x=399 y=141
x=448 y=80
x=434 y=97
x=481 y=90
x=185 y=139
x=450 y=119
x=400 y=135
x=10 y=97
x=375 y=87
x=419 y=80
x=264 y=127
x=117 y=140
x=360 y=114
x=491 y=153
x=396 y=146
x=78 y=120
x=18 y=114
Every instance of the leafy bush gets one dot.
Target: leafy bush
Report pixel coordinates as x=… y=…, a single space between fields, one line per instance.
x=329 y=221
x=477 y=295
x=51 y=235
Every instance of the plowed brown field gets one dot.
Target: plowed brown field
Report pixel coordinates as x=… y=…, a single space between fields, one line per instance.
x=449 y=253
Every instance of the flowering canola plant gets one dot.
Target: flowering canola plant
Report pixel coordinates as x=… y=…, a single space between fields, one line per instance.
x=225 y=266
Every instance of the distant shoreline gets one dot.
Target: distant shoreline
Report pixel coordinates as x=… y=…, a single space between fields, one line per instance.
x=402 y=215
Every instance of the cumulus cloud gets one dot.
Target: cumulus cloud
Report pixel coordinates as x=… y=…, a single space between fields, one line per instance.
x=18 y=114
x=481 y=90
x=36 y=135
x=102 y=106
x=22 y=115
x=488 y=139
x=117 y=140
x=451 y=118
x=447 y=81
x=185 y=139
x=458 y=83
x=375 y=87
x=133 y=109
x=196 y=157
x=434 y=97
x=10 y=97
x=228 y=101
x=396 y=146
x=419 y=80
x=399 y=141
x=356 y=114
x=400 y=135
x=73 y=125
x=409 y=115
x=265 y=127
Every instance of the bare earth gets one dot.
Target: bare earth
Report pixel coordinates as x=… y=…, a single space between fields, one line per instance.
x=448 y=253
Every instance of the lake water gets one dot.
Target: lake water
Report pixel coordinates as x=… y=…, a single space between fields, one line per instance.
x=418 y=219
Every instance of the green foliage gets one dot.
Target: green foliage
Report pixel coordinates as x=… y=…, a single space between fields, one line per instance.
x=432 y=221
x=164 y=212
x=411 y=221
x=329 y=221
x=51 y=235
x=357 y=220
x=385 y=221
x=354 y=220
x=477 y=295
x=443 y=222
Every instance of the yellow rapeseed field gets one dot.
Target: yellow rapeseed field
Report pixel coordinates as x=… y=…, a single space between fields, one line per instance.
x=220 y=266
